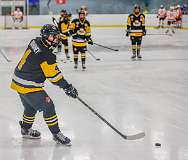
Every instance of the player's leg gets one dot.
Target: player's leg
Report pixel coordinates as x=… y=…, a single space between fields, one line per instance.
x=139 y=42
x=162 y=23
x=75 y=53
x=59 y=47
x=173 y=26
x=133 y=42
x=42 y=102
x=66 y=48
x=28 y=119
x=83 y=56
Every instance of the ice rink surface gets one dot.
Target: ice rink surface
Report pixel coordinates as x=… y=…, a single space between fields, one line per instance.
x=149 y=95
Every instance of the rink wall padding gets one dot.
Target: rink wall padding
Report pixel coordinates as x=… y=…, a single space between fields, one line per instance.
x=96 y=20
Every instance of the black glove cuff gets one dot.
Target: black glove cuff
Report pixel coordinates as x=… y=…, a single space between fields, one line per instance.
x=64 y=84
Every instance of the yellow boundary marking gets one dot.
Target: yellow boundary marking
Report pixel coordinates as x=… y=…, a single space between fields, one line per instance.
x=104 y=26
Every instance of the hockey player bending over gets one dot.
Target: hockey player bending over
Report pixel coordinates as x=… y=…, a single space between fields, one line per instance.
x=63 y=25
x=161 y=15
x=81 y=35
x=136 y=29
x=38 y=64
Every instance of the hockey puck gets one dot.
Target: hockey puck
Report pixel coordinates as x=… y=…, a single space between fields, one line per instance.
x=157 y=144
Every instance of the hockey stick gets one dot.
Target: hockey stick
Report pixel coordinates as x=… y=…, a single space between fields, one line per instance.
x=160 y=34
x=54 y=21
x=97 y=59
x=106 y=47
x=3 y=54
x=127 y=137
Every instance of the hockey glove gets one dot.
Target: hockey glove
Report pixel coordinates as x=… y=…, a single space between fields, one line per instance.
x=90 y=41
x=71 y=91
x=144 y=32
x=127 y=33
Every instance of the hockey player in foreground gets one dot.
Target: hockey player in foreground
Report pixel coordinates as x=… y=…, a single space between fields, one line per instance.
x=38 y=64
x=136 y=29
x=81 y=35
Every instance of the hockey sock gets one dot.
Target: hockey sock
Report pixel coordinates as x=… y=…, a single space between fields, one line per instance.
x=59 y=48
x=76 y=58
x=52 y=123
x=28 y=121
x=83 y=57
x=138 y=49
x=134 y=49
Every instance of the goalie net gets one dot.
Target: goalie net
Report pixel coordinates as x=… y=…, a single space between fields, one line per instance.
x=11 y=23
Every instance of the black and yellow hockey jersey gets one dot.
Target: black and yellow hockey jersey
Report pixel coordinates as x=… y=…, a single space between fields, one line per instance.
x=136 y=24
x=63 y=26
x=80 y=31
x=37 y=64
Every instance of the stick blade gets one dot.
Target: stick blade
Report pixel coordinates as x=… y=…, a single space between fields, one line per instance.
x=135 y=136
x=98 y=59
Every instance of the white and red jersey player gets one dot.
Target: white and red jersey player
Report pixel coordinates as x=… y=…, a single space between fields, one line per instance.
x=179 y=15
x=161 y=15
x=171 y=19
x=171 y=15
x=17 y=15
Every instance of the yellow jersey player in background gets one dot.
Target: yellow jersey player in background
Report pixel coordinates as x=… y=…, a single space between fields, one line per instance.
x=81 y=36
x=63 y=25
x=136 y=29
x=38 y=64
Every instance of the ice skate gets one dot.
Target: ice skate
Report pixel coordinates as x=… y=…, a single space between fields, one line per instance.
x=133 y=57
x=76 y=66
x=83 y=67
x=29 y=133
x=59 y=138
x=139 y=57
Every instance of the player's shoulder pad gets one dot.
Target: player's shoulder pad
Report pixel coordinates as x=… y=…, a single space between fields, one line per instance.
x=75 y=20
x=130 y=15
x=86 y=21
x=35 y=46
x=142 y=15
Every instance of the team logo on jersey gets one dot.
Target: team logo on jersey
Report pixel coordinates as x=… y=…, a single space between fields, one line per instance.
x=34 y=47
x=137 y=23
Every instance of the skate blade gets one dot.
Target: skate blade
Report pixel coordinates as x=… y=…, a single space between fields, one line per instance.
x=65 y=144
x=30 y=137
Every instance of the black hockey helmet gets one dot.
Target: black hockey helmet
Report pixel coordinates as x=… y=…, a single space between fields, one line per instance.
x=137 y=6
x=64 y=11
x=49 y=29
x=81 y=12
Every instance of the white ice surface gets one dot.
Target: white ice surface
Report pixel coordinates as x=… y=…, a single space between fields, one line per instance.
x=149 y=95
